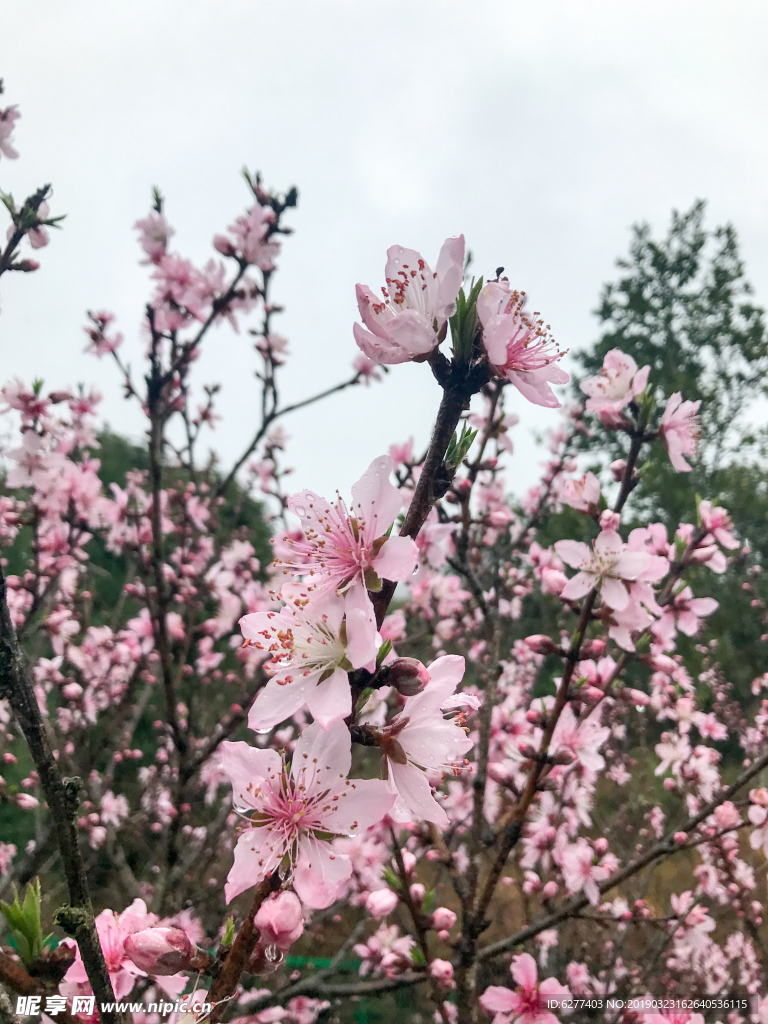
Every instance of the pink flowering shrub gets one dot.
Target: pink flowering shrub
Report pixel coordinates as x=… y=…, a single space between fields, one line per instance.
x=360 y=748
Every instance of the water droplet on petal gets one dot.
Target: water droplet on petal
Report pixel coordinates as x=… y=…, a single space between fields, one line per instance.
x=401 y=250
x=300 y=510
x=396 y=262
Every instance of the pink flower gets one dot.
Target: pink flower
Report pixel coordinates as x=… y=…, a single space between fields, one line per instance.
x=8 y=119
x=154 y=233
x=348 y=550
x=381 y=902
x=421 y=739
x=519 y=346
x=159 y=951
x=608 y=566
x=680 y=430
x=582 y=494
x=416 y=304
x=684 y=612
x=616 y=385
x=523 y=1005
x=249 y=238
x=580 y=871
x=311 y=651
x=717 y=521
x=280 y=920
x=113 y=931
x=292 y=807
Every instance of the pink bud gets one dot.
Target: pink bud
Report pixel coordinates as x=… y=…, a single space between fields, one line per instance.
x=72 y=691
x=223 y=245
x=381 y=902
x=408 y=676
x=680 y=837
x=553 y=581
x=418 y=892
x=549 y=890
x=280 y=920
x=160 y=951
x=540 y=644
x=25 y=801
x=443 y=919
x=409 y=861
x=617 y=468
x=593 y=648
x=442 y=972
x=600 y=846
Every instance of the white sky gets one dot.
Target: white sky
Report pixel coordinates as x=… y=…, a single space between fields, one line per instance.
x=541 y=130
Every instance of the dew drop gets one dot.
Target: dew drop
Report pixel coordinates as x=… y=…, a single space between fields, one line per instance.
x=300 y=510
x=401 y=251
x=396 y=262
x=262 y=732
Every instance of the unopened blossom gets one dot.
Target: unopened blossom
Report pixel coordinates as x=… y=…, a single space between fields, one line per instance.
x=523 y=1004
x=518 y=345
x=280 y=920
x=288 y=813
x=381 y=903
x=420 y=738
x=617 y=384
x=609 y=565
x=442 y=972
x=680 y=429
x=159 y=951
x=347 y=549
x=410 y=318
x=582 y=494
x=310 y=649
x=758 y=815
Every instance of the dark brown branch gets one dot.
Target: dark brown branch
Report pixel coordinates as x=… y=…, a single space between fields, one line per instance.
x=62 y=797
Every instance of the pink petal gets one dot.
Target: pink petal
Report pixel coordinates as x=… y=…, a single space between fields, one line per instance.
x=397 y=559
x=361 y=803
x=524 y=971
x=447 y=671
x=412 y=332
x=255 y=858
x=492 y=301
x=361 y=627
x=330 y=700
x=320 y=872
x=614 y=593
x=630 y=564
x=375 y=500
x=275 y=703
x=496 y=999
x=533 y=386
x=574 y=553
x=609 y=543
x=577 y=587
x=411 y=783
x=244 y=765
x=380 y=351
x=450 y=273
x=322 y=755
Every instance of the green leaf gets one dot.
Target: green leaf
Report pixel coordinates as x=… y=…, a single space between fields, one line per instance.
x=391 y=878
x=429 y=901
x=383 y=651
x=25 y=923
x=362 y=700
x=417 y=957
x=229 y=932
x=459 y=446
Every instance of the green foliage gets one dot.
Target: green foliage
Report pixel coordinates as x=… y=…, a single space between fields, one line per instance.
x=683 y=305
x=25 y=923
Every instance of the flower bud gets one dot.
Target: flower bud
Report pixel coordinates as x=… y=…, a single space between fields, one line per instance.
x=26 y=266
x=442 y=972
x=280 y=920
x=407 y=675
x=617 y=469
x=418 y=892
x=381 y=902
x=539 y=643
x=160 y=951
x=609 y=520
x=600 y=846
x=549 y=890
x=443 y=919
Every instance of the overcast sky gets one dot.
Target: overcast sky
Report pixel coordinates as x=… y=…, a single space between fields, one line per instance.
x=540 y=130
